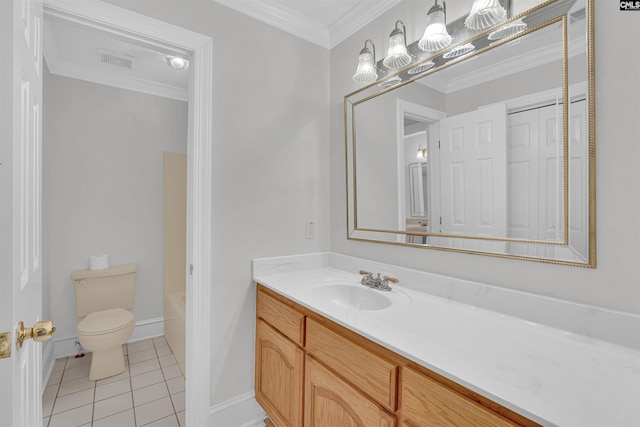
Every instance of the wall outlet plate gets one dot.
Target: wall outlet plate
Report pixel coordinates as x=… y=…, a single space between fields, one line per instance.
x=310 y=230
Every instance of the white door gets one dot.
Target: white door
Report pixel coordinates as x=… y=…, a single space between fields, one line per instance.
x=20 y=208
x=473 y=172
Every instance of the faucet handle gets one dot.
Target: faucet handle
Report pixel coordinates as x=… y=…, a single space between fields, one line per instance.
x=391 y=279
x=365 y=272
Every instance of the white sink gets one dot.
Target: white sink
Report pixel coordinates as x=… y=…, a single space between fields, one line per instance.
x=353 y=297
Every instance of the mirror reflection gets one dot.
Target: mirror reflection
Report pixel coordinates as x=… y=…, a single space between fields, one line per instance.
x=489 y=153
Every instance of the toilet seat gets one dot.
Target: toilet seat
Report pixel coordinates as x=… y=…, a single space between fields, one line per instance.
x=105 y=322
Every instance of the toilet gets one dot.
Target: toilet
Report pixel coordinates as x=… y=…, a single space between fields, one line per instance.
x=103 y=298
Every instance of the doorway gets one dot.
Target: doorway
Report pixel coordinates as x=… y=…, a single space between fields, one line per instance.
x=128 y=25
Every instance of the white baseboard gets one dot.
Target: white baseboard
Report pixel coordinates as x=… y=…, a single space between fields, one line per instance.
x=144 y=329
x=243 y=411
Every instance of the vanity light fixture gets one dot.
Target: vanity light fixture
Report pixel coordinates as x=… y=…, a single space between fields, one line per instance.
x=366 y=71
x=176 y=62
x=484 y=14
x=422 y=153
x=397 y=55
x=436 y=37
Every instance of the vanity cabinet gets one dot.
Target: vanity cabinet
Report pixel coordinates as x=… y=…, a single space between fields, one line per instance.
x=330 y=401
x=313 y=372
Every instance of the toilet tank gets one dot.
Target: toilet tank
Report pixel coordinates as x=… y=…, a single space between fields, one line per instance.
x=97 y=290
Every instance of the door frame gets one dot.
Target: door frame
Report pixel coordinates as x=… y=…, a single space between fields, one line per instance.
x=166 y=37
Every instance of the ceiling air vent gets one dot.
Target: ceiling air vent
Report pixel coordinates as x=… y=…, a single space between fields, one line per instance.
x=117 y=59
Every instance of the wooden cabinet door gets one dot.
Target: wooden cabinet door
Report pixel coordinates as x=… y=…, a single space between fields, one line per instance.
x=426 y=402
x=329 y=401
x=279 y=376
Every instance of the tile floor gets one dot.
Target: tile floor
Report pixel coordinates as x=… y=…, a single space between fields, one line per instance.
x=149 y=393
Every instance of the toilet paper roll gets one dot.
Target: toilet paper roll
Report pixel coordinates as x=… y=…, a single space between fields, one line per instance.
x=98 y=262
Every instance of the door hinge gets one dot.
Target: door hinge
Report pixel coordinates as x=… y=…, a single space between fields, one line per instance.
x=438 y=144
x=440 y=220
x=191 y=269
x=5 y=345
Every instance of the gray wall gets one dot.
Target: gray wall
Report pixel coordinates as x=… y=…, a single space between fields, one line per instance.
x=270 y=164
x=102 y=187
x=614 y=284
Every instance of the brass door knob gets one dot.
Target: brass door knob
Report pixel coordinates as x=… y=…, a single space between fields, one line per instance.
x=41 y=331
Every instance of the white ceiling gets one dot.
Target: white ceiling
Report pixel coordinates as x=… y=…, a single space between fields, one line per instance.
x=75 y=51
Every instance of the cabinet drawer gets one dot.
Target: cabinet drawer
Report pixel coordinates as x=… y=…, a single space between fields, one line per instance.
x=373 y=374
x=329 y=401
x=282 y=317
x=425 y=401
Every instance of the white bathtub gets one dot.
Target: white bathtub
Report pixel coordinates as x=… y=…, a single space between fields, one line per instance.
x=175 y=325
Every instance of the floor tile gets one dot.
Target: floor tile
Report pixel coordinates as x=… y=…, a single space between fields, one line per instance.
x=167 y=360
x=73 y=417
x=74 y=362
x=153 y=411
x=59 y=365
x=163 y=350
x=175 y=385
x=160 y=341
x=122 y=419
x=55 y=377
x=143 y=355
x=113 y=405
x=113 y=389
x=48 y=399
x=178 y=401
x=72 y=401
x=138 y=346
x=180 y=416
x=172 y=371
x=146 y=379
x=114 y=378
x=170 y=421
x=75 y=373
x=142 y=367
x=74 y=386
x=150 y=393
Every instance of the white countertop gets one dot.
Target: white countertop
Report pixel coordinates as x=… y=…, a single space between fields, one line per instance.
x=554 y=377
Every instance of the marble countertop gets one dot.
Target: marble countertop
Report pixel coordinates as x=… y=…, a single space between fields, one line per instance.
x=550 y=375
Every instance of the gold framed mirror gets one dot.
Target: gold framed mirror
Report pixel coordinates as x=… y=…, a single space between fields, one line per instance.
x=505 y=134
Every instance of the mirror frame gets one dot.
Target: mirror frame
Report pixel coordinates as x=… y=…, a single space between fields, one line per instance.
x=354 y=232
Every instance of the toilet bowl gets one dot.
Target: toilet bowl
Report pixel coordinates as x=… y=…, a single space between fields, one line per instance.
x=103 y=333
x=102 y=298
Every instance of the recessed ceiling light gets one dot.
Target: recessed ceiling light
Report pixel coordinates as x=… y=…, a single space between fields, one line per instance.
x=176 y=62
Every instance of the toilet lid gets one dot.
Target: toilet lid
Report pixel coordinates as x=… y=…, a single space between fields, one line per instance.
x=105 y=321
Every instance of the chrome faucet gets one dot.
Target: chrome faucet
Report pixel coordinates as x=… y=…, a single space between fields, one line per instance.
x=381 y=284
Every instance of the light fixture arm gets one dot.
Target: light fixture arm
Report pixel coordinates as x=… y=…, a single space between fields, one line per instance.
x=373 y=48
x=404 y=30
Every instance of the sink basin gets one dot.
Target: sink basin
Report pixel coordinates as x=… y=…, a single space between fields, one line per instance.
x=353 y=297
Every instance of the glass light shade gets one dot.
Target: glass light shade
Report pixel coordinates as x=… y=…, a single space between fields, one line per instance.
x=366 y=71
x=436 y=37
x=422 y=153
x=397 y=55
x=508 y=30
x=484 y=14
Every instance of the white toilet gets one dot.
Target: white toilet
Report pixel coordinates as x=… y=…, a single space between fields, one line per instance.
x=103 y=297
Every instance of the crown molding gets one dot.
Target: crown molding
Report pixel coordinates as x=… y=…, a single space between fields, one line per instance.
x=283 y=18
x=301 y=26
